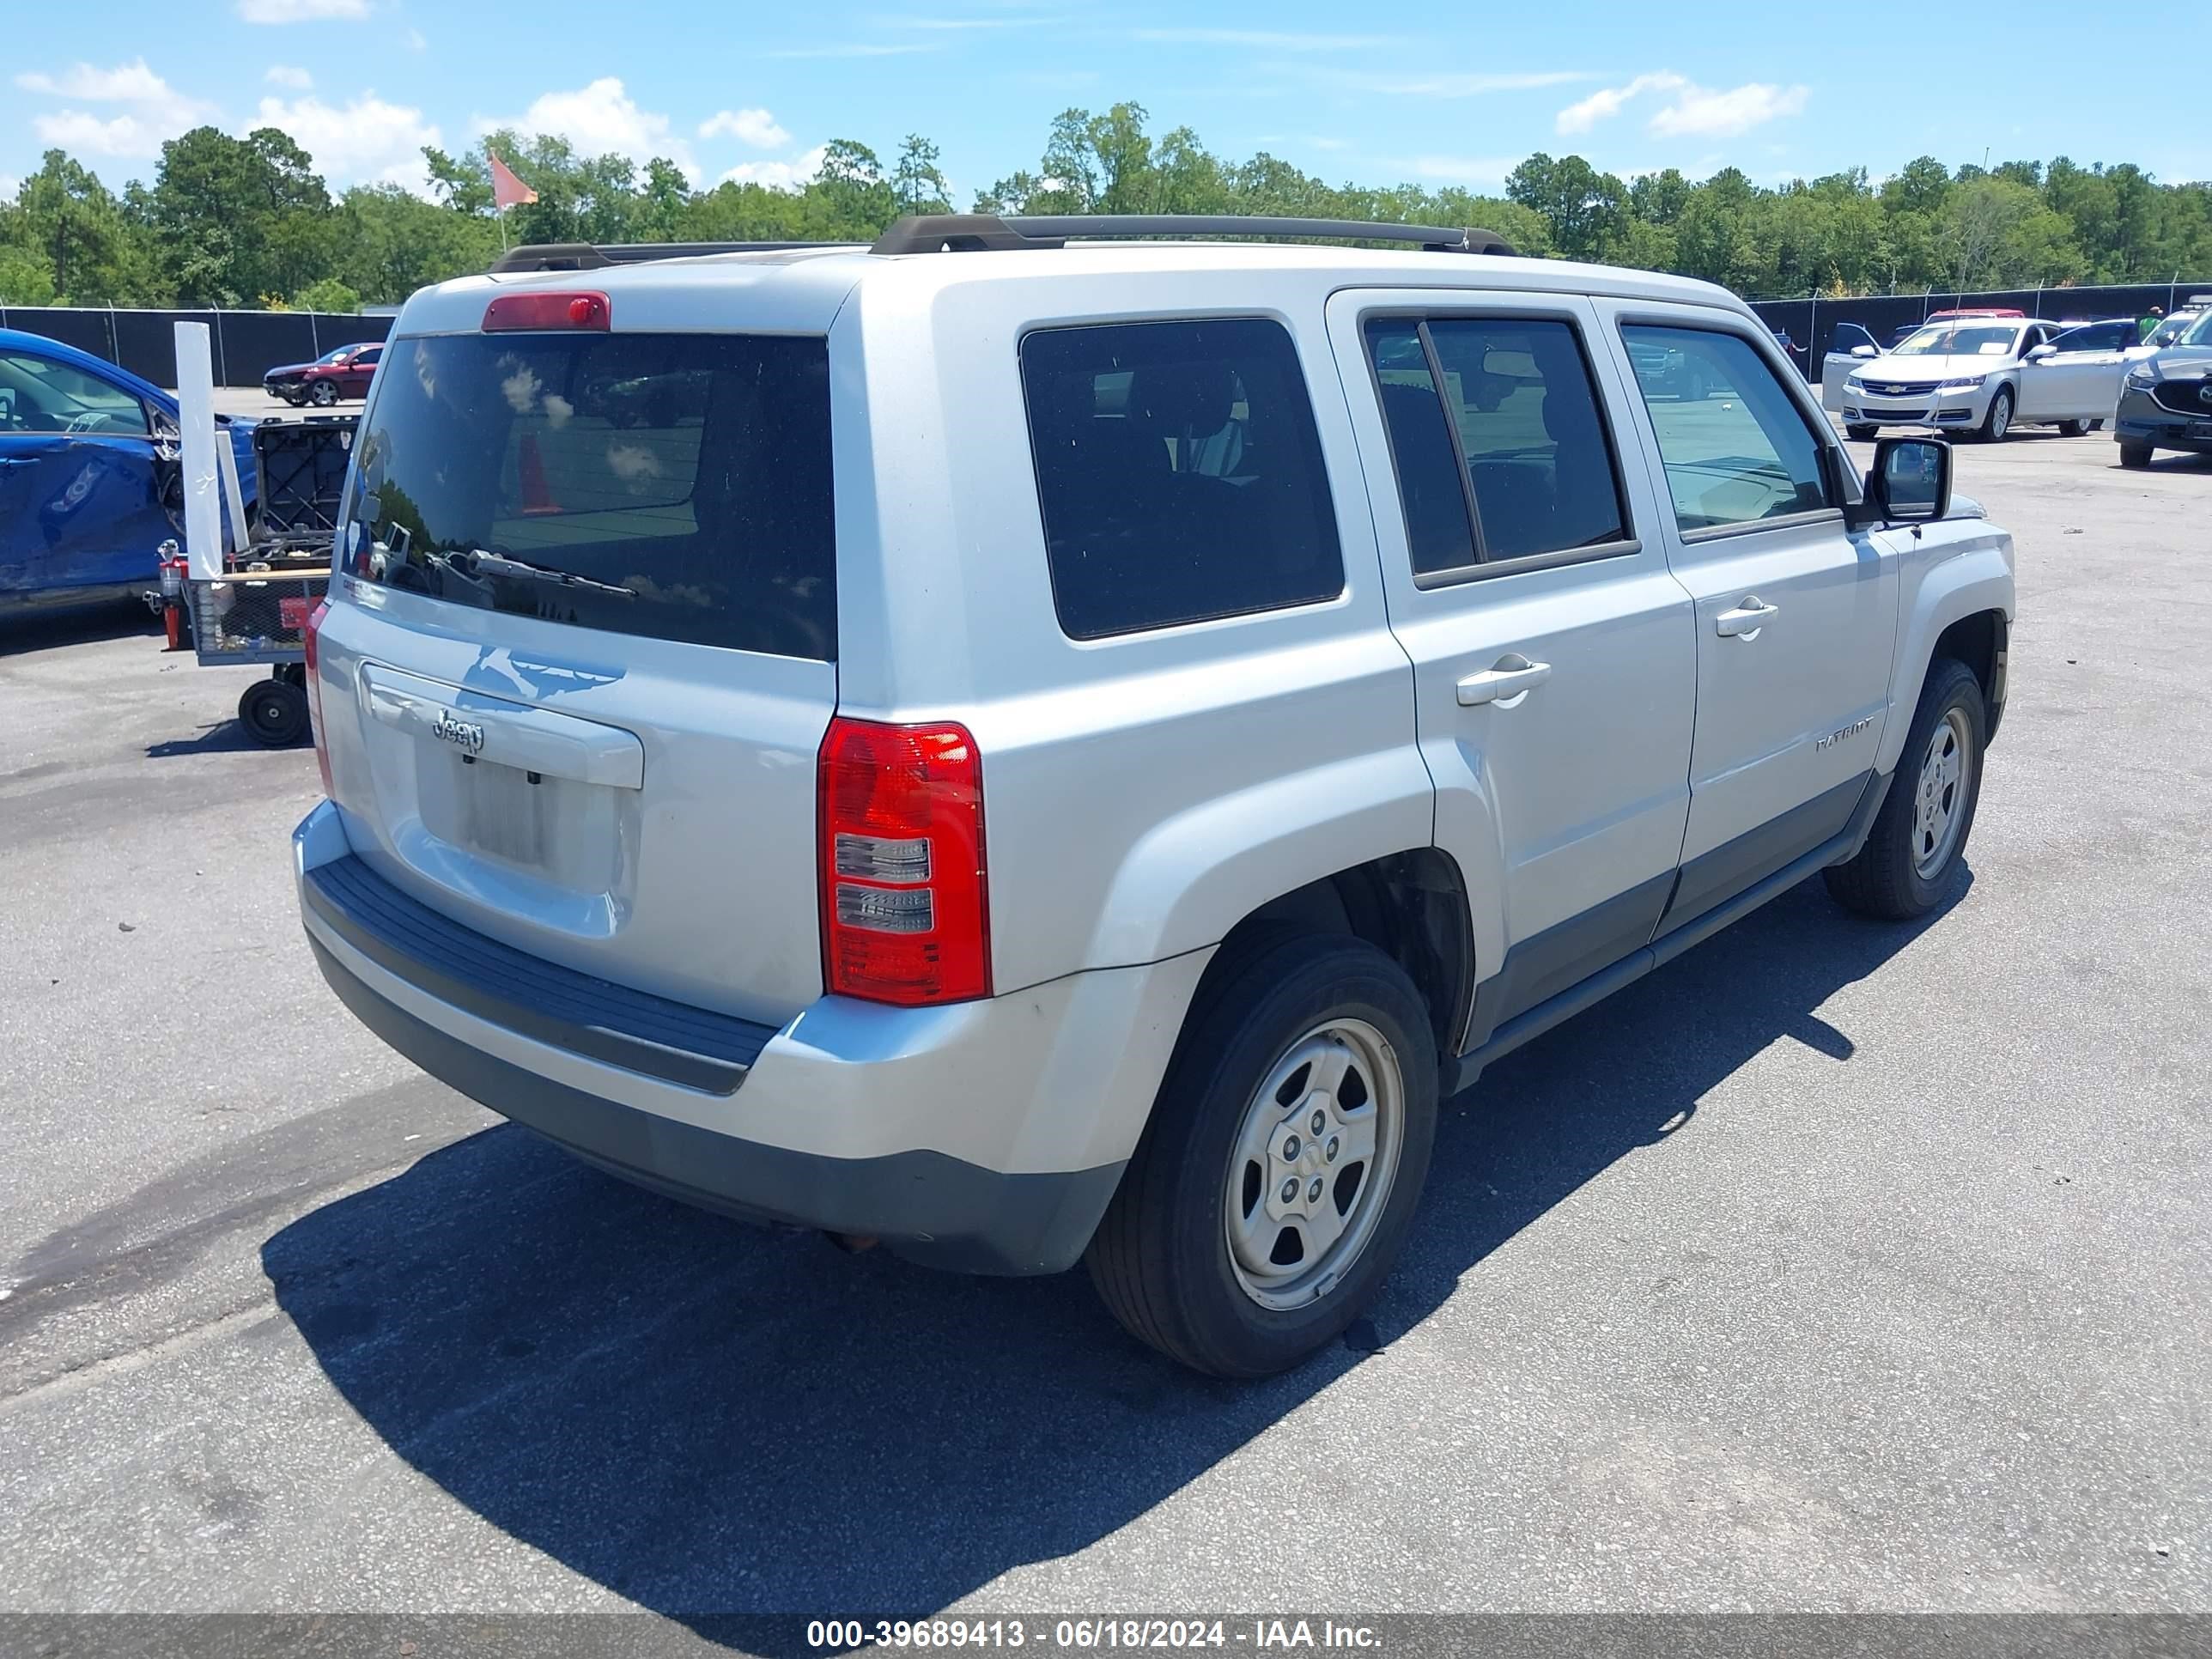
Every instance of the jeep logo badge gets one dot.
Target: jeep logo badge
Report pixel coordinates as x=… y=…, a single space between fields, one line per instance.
x=465 y=735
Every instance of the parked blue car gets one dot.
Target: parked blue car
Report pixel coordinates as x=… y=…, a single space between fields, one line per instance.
x=89 y=485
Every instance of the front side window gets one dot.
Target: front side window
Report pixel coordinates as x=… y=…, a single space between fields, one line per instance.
x=1179 y=472
x=38 y=395
x=1516 y=415
x=673 y=486
x=1735 y=459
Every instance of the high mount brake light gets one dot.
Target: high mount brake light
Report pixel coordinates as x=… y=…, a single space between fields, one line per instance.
x=535 y=309
x=905 y=906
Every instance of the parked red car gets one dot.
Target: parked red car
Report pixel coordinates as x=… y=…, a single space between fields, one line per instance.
x=341 y=373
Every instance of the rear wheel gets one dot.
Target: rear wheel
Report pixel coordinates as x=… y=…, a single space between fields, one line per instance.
x=1278 y=1178
x=1998 y=420
x=1912 y=852
x=2135 y=455
x=1862 y=435
x=275 y=712
x=2073 y=429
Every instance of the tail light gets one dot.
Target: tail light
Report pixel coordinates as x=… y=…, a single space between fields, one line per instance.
x=307 y=638
x=905 y=907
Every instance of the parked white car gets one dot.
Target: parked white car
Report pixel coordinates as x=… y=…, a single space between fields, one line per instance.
x=1983 y=376
x=1032 y=753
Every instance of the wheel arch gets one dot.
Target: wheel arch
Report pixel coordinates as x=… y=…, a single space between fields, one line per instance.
x=1963 y=609
x=1411 y=905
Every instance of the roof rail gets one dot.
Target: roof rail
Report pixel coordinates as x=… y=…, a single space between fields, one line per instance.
x=584 y=256
x=961 y=233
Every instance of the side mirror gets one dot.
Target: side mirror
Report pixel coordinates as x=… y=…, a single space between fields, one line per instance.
x=1864 y=351
x=1909 y=482
x=2043 y=354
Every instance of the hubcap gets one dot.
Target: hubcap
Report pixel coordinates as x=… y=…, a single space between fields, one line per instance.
x=1938 y=807
x=2000 y=415
x=1314 y=1162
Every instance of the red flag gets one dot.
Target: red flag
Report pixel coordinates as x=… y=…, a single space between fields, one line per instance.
x=506 y=189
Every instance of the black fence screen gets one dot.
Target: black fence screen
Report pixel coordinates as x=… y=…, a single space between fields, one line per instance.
x=1812 y=324
x=246 y=344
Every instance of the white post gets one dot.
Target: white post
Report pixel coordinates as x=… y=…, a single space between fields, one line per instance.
x=203 y=470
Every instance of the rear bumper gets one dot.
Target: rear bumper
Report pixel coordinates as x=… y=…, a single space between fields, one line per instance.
x=985 y=1137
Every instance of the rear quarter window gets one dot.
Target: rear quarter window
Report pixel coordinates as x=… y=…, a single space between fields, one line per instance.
x=1179 y=473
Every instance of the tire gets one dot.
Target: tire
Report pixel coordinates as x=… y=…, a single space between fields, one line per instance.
x=323 y=394
x=2096 y=426
x=1163 y=1259
x=1895 y=875
x=1998 y=420
x=274 y=712
x=2072 y=428
x=1862 y=435
x=2134 y=457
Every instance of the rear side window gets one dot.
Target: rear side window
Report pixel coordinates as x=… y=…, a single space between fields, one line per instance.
x=672 y=486
x=1515 y=415
x=1179 y=472
x=1735 y=446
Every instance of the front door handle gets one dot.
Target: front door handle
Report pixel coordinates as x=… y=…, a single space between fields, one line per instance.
x=1514 y=678
x=1745 y=620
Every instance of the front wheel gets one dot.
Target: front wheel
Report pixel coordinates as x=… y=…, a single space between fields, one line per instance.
x=1998 y=420
x=1912 y=852
x=1277 y=1180
x=1862 y=435
x=324 y=395
x=2134 y=457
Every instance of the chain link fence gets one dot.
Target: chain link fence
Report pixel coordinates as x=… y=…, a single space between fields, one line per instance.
x=246 y=344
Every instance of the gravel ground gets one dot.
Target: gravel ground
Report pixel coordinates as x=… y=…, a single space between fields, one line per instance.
x=1834 y=1266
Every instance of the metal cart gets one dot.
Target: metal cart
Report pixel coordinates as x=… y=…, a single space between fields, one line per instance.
x=256 y=612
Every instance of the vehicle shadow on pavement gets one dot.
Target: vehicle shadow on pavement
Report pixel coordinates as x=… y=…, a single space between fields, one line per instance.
x=709 y=1419
x=24 y=631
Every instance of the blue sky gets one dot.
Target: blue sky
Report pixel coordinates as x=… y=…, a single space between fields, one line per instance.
x=1423 y=90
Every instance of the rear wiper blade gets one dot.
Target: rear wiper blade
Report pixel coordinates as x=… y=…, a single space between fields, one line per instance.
x=498 y=564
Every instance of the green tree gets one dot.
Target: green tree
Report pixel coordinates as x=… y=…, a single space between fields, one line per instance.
x=1588 y=211
x=239 y=217
x=326 y=293
x=917 y=184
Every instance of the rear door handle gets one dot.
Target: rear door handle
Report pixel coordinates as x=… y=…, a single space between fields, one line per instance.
x=1514 y=678
x=1745 y=620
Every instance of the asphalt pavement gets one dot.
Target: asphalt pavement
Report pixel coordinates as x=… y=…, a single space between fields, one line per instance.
x=1837 y=1266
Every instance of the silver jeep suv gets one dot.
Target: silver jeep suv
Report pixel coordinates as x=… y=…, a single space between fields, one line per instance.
x=1027 y=743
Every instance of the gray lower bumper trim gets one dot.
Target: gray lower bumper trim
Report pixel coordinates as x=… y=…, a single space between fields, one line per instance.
x=935 y=1209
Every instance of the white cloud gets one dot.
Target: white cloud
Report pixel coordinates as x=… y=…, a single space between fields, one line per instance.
x=284 y=75
x=1457 y=86
x=1606 y=103
x=1266 y=40
x=858 y=50
x=414 y=41
x=368 y=140
x=301 y=11
x=778 y=175
x=756 y=127
x=600 y=120
x=153 y=109
x=1690 y=108
x=1724 y=114
x=966 y=22
x=10 y=184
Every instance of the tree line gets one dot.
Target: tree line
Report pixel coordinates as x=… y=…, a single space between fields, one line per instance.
x=246 y=222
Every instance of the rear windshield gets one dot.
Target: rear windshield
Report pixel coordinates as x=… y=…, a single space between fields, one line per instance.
x=674 y=486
